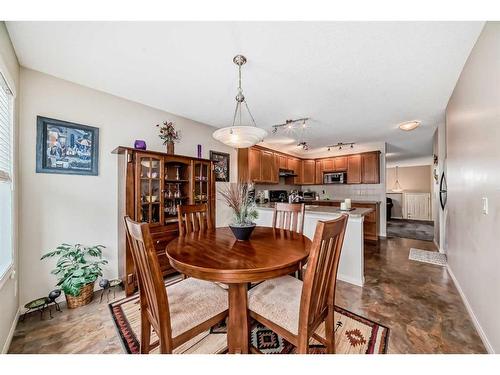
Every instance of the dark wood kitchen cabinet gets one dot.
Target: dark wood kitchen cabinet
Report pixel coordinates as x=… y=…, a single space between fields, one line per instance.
x=308 y=172
x=254 y=164
x=340 y=163
x=261 y=166
x=328 y=165
x=267 y=166
x=370 y=168
x=151 y=185
x=318 y=178
x=354 y=169
x=295 y=165
x=282 y=161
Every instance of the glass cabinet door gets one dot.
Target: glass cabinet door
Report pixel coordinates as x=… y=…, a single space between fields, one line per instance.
x=201 y=182
x=149 y=200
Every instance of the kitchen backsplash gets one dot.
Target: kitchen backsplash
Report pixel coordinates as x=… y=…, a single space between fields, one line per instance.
x=355 y=192
x=358 y=192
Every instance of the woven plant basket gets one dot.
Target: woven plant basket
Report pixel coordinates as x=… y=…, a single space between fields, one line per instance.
x=85 y=297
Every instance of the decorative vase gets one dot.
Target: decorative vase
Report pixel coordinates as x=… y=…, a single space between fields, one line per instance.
x=242 y=233
x=84 y=298
x=170 y=148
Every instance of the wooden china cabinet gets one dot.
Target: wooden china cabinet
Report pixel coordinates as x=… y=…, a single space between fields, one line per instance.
x=150 y=187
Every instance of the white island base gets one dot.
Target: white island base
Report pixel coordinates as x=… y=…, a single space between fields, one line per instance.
x=351 y=267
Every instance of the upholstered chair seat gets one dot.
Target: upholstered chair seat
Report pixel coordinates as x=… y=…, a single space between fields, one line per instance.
x=303 y=311
x=193 y=302
x=278 y=300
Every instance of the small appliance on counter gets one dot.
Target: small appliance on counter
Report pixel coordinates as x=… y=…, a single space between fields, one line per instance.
x=278 y=196
x=308 y=196
x=335 y=178
x=260 y=197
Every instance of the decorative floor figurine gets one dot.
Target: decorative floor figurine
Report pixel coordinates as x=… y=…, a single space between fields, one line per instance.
x=40 y=304
x=106 y=284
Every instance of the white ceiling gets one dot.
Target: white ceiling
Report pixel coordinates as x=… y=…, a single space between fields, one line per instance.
x=356 y=80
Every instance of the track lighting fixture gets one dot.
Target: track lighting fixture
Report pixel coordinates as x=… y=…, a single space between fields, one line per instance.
x=340 y=145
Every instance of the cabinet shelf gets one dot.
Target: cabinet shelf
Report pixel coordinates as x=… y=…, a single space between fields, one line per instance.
x=176 y=198
x=170 y=180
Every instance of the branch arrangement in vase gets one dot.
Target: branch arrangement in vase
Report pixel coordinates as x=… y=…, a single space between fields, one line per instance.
x=168 y=133
x=237 y=196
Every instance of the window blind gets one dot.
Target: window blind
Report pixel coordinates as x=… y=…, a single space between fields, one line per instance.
x=6 y=194
x=5 y=131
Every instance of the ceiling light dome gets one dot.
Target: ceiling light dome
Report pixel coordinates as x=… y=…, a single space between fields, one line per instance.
x=240 y=136
x=409 y=125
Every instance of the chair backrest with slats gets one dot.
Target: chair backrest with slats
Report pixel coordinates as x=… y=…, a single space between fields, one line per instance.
x=153 y=296
x=193 y=218
x=289 y=216
x=318 y=292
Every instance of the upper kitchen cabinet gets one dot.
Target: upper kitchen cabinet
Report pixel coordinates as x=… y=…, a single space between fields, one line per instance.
x=340 y=163
x=328 y=165
x=318 y=180
x=282 y=161
x=295 y=165
x=308 y=172
x=354 y=169
x=257 y=165
x=261 y=165
x=268 y=169
x=370 y=168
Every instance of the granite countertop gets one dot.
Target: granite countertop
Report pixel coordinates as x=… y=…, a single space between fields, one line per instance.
x=341 y=200
x=357 y=212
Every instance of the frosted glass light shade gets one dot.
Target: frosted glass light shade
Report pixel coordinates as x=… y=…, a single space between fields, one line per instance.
x=240 y=136
x=397 y=187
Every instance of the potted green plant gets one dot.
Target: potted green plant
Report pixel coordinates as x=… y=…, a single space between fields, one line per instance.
x=77 y=269
x=237 y=197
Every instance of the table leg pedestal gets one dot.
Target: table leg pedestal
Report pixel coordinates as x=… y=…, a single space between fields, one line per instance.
x=237 y=332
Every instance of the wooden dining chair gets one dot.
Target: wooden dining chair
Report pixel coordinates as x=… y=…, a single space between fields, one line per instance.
x=286 y=216
x=197 y=305
x=193 y=218
x=294 y=309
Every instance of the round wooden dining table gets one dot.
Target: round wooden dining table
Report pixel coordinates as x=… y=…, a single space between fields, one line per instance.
x=215 y=255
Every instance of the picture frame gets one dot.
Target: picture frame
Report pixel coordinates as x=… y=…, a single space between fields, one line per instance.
x=66 y=147
x=221 y=165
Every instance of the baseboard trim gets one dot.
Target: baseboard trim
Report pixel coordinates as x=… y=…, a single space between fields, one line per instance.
x=6 y=346
x=478 y=327
x=440 y=249
x=351 y=280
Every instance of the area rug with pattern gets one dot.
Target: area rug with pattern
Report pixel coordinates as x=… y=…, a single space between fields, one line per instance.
x=353 y=334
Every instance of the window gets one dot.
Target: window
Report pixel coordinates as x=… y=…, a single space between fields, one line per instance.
x=6 y=183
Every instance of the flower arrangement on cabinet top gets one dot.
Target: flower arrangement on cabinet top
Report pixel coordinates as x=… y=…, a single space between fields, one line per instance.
x=169 y=135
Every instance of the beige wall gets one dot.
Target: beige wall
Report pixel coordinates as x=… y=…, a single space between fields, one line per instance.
x=8 y=291
x=473 y=171
x=59 y=208
x=411 y=179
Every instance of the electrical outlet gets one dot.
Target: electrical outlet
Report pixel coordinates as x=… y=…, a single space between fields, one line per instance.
x=485 y=205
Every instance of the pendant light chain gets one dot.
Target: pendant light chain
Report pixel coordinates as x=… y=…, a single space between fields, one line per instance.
x=240 y=136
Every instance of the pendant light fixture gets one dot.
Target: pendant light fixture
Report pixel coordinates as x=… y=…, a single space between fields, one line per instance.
x=239 y=135
x=397 y=187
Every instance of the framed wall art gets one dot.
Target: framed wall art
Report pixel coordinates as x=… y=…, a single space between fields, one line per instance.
x=66 y=147
x=221 y=165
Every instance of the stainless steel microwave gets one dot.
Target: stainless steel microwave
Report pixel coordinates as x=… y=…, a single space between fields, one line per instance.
x=335 y=178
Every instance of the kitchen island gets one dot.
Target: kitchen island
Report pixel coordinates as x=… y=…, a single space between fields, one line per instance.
x=351 y=267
